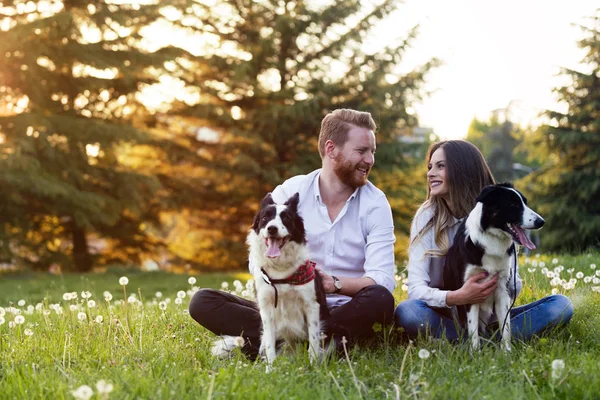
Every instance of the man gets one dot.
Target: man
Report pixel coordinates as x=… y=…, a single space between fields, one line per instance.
x=350 y=234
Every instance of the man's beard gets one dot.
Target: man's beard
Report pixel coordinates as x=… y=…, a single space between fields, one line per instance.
x=348 y=174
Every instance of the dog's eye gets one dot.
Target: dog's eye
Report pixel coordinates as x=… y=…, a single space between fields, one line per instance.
x=285 y=217
x=264 y=219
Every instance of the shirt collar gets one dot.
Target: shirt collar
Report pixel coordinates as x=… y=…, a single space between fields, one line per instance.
x=317 y=190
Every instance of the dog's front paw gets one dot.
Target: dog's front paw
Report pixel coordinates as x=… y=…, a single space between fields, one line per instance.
x=223 y=347
x=474 y=345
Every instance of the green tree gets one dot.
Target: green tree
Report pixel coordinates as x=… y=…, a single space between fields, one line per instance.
x=566 y=188
x=69 y=74
x=498 y=140
x=273 y=71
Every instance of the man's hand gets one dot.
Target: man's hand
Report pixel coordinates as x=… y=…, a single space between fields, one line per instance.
x=327 y=281
x=473 y=291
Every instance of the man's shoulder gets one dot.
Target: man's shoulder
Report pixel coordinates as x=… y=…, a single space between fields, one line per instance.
x=372 y=193
x=299 y=180
x=298 y=183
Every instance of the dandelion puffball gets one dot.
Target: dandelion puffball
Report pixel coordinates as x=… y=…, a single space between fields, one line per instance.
x=424 y=354
x=83 y=392
x=123 y=281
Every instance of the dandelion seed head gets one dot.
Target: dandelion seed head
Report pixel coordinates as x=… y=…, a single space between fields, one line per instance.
x=224 y=285
x=593 y=266
x=542 y=264
x=83 y=392
x=181 y=294
x=555 y=261
x=104 y=387
x=11 y=324
x=123 y=281
x=85 y=294
x=91 y=303
x=21 y=303
x=46 y=312
x=99 y=319
x=28 y=332
x=192 y=280
x=131 y=299
x=558 y=367
x=73 y=307
x=19 y=319
x=554 y=291
x=107 y=296
x=81 y=316
x=424 y=354
x=2 y=320
x=2 y=311
x=158 y=295
x=579 y=275
x=178 y=301
x=67 y=296
x=162 y=305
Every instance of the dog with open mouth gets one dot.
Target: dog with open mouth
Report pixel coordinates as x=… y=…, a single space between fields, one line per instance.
x=485 y=241
x=289 y=292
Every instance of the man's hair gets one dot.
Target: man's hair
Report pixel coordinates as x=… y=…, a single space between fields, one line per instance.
x=336 y=124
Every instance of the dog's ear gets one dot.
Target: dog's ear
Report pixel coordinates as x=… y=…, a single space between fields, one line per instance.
x=267 y=201
x=292 y=202
x=506 y=185
x=255 y=223
x=484 y=193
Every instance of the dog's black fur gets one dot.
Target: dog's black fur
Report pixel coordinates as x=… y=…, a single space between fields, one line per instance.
x=485 y=241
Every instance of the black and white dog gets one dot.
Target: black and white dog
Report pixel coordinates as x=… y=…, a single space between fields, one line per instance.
x=289 y=292
x=485 y=241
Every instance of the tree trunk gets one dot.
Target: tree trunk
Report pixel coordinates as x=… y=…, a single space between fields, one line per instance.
x=81 y=255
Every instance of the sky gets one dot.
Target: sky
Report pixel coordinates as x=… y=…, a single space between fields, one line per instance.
x=493 y=53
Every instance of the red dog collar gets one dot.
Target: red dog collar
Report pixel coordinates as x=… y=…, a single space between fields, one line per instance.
x=304 y=274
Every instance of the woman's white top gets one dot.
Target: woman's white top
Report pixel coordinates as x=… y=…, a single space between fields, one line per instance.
x=426 y=272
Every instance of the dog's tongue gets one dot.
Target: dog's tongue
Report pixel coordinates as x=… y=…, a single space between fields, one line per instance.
x=525 y=241
x=272 y=248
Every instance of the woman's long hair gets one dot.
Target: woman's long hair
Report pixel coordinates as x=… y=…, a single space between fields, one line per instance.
x=466 y=174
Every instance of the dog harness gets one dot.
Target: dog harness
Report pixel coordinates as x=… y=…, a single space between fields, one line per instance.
x=304 y=274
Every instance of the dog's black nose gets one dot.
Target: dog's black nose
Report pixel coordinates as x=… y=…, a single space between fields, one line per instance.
x=538 y=223
x=272 y=230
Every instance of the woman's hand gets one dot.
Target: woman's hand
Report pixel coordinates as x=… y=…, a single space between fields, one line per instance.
x=472 y=292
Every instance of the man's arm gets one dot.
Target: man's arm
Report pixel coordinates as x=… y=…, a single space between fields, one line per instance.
x=350 y=286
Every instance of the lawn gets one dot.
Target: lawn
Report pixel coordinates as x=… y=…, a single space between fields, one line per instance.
x=147 y=347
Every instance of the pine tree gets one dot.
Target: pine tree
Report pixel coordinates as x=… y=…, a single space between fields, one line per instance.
x=566 y=190
x=276 y=69
x=69 y=74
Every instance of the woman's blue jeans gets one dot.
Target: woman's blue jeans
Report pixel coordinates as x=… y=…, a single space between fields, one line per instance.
x=417 y=318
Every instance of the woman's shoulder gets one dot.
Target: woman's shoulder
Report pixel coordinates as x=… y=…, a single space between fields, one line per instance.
x=423 y=215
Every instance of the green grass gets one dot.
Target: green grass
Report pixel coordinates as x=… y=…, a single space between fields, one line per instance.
x=148 y=353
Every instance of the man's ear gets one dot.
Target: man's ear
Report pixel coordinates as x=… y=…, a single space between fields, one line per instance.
x=330 y=149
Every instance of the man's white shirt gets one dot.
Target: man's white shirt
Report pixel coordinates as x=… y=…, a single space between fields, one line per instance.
x=359 y=243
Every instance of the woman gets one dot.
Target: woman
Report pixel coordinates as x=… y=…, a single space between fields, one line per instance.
x=456 y=174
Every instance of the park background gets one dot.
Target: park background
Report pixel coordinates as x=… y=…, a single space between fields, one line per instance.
x=137 y=138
